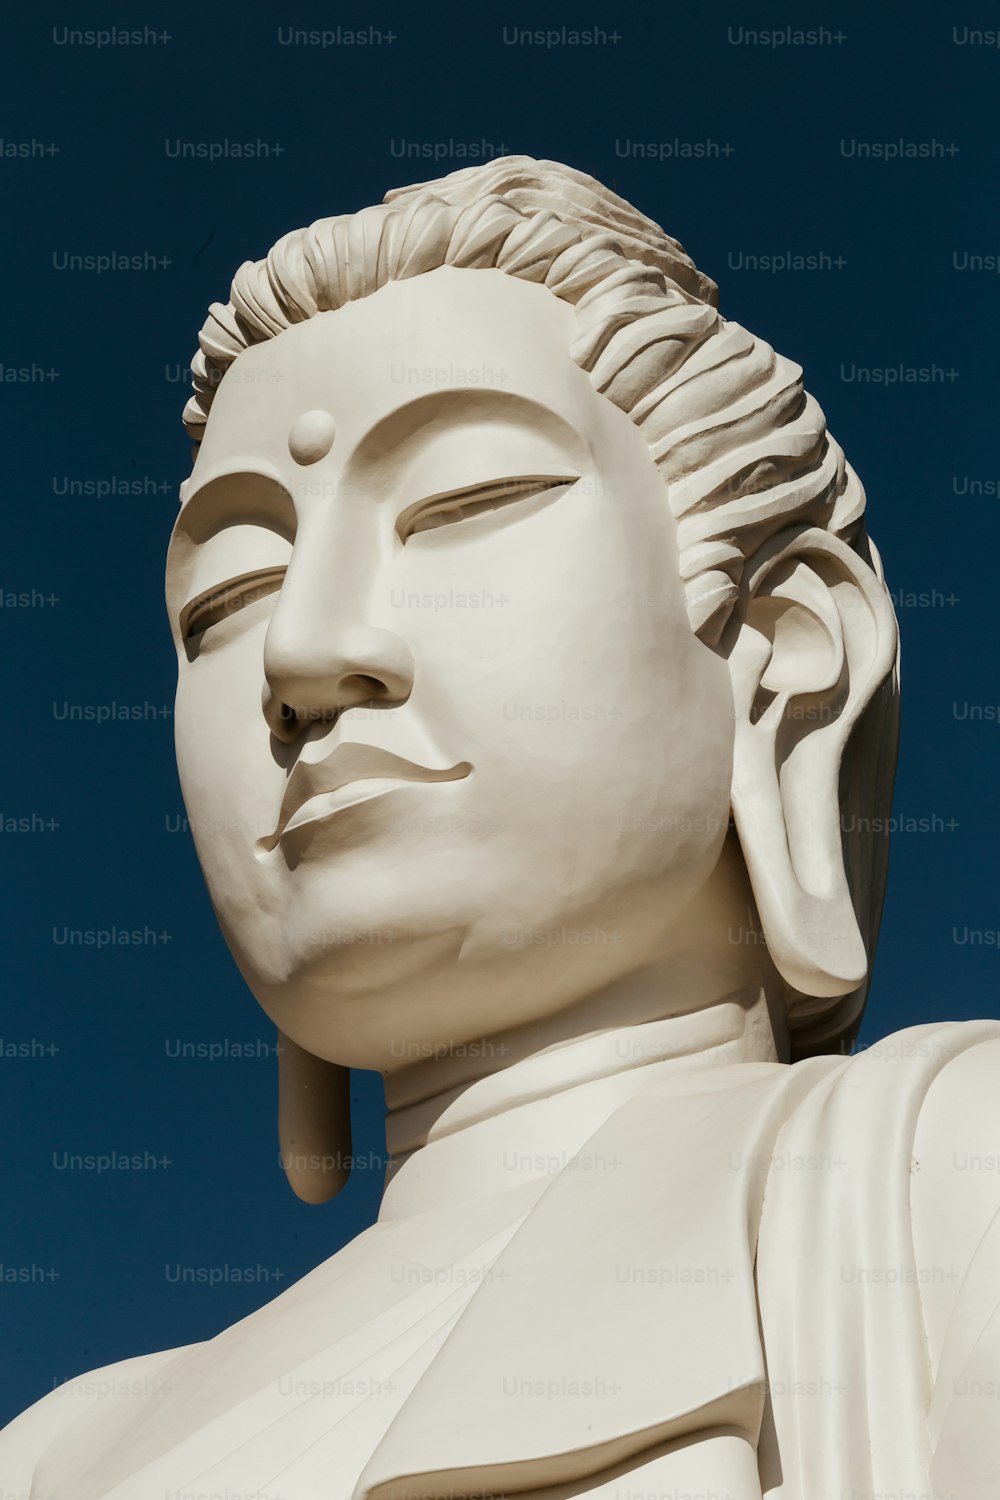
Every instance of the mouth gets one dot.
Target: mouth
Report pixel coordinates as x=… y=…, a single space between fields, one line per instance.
x=352 y=774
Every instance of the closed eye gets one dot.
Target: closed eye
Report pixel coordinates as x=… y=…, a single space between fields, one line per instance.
x=225 y=599
x=459 y=505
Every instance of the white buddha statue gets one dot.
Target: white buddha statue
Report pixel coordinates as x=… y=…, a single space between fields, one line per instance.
x=537 y=683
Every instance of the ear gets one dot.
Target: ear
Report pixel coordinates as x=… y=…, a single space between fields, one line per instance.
x=816 y=638
x=314 y=1122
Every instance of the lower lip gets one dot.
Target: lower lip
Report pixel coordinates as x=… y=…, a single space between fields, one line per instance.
x=330 y=803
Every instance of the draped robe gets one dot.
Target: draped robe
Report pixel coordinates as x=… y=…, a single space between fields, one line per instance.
x=686 y=1308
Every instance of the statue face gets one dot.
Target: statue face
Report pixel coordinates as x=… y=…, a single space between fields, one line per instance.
x=438 y=543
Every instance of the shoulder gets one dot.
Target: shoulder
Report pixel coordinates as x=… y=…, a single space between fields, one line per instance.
x=24 y=1440
x=959 y=1116
x=904 y=1082
x=955 y=1184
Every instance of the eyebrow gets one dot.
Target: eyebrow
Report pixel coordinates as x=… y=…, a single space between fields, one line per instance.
x=264 y=499
x=244 y=468
x=462 y=405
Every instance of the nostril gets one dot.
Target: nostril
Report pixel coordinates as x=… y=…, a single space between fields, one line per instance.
x=364 y=689
x=284 y=723
x=282 y=720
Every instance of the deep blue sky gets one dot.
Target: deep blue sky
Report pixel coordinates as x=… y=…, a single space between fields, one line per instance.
x=95 y=1254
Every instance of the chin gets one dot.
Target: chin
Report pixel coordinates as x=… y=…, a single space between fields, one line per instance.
x=321 y=975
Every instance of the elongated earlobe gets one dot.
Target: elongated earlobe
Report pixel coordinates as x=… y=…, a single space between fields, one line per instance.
x=314 y=1122
x=816 y=639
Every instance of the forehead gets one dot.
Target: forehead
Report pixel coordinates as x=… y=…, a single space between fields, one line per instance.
x=480 y=337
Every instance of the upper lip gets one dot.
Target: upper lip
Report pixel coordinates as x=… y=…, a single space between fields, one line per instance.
x=351 y=762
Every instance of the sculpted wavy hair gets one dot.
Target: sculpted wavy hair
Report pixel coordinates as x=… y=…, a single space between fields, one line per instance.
x=742 y=448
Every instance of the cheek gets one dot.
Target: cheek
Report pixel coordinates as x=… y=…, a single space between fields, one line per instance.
x=229 y=779
x=601 y=733
x=561 y=646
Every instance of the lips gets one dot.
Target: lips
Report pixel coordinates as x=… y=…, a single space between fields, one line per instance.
x=312 y=788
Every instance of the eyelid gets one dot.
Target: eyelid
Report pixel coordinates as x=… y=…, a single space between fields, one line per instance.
x=223 y=599
x=476 y=498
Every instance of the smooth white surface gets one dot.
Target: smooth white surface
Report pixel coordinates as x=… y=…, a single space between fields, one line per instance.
x=533 y=659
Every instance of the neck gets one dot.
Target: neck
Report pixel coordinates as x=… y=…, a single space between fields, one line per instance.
x=501 y=1113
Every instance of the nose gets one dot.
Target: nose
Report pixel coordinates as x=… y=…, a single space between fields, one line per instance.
x=321 y=659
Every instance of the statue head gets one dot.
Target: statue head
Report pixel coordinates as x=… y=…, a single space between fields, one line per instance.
x=526 y=620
